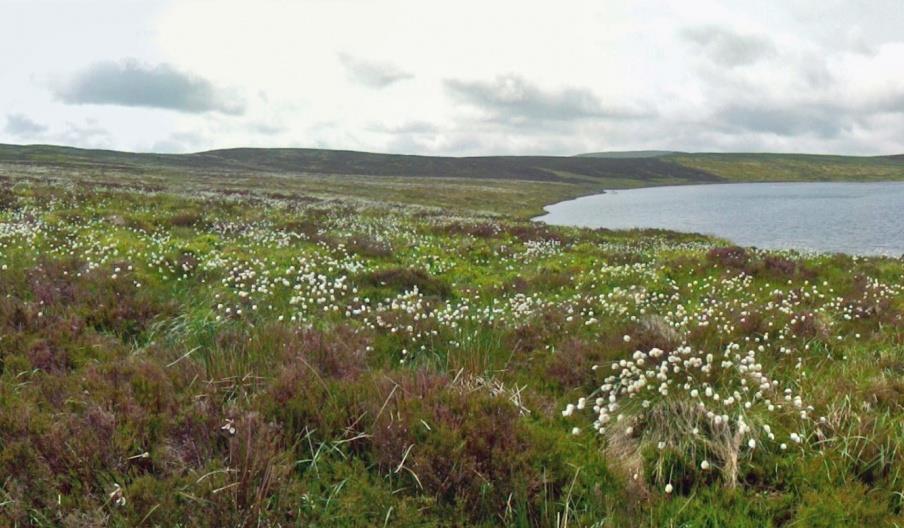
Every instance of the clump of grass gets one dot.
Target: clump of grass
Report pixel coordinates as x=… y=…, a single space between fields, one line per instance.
x=406 y=279
x=368 y=247
x=473 y=229
x=185 y=219
x=729 y=257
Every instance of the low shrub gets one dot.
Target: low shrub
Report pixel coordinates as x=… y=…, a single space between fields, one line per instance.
x=406 y=279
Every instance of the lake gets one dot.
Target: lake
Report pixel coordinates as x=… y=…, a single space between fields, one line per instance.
x=856 y=218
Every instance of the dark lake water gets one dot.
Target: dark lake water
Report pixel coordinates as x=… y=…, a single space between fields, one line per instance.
x=856 y=218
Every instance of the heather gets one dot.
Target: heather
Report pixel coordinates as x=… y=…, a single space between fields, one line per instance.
x=261 y=359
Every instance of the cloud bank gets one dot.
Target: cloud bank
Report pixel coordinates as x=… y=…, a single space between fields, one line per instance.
x=372 y=73
x=20 y=125
x=512 y=98
x=131 y=83
x=727 y=48
x=463 y=78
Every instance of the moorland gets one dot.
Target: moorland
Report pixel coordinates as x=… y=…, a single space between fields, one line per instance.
x=301 y=337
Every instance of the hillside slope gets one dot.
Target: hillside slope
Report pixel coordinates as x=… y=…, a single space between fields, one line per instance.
x=512 y=185
x=542 y=168
x=628 y=154
x=793 y=167
x=318 y=161
x=625 y=169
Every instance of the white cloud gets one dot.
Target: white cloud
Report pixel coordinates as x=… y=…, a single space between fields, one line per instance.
x=476 y=77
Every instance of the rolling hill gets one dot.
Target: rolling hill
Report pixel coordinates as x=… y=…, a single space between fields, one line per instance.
x=517 y=185
x=317 y=161
x=619 y=169
x=628 y=154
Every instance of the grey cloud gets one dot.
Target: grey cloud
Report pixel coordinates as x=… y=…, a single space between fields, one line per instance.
x=130 y=83
x=90 y=135
x=816 y=74
x=728 y=48
x=460 y=143
x=180 y=143
x=372 y=73
x=267 y=128
x=786 y=119
x=512 y=98
x=856 y=42
x=890 y=102
x=408 y=127
x=824 y=117
x=21 y=125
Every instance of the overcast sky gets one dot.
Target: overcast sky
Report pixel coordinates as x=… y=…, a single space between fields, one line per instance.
x=457 y=78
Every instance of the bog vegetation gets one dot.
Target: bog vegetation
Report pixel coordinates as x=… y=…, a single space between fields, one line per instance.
x=250 y=359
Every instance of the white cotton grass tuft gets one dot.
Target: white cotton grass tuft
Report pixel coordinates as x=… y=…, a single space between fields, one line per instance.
x=731 y=396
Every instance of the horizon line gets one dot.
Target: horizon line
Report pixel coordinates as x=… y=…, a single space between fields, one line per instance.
x=665 y=152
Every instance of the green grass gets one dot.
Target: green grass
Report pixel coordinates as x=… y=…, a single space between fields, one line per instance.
x=517 y=186
x=198 y=349
x=793 y=167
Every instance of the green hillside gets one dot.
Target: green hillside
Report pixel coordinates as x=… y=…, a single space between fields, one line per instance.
x=621 y=169
x=793 y=167
x=514 y=185
x=628 y=154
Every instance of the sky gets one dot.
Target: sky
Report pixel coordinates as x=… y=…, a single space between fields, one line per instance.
x=455 y=78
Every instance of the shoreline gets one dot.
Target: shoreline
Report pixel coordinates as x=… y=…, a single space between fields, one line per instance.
x=872 y=248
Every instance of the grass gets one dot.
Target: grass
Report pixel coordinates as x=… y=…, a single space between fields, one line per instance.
x=516 y=186
x=354 y=351
x=793 y=167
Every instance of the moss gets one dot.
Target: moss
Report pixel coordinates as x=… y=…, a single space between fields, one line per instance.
x=847 y=506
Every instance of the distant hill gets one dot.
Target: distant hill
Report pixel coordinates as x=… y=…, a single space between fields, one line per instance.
x=599 y=170
x=621 y=154
x=543 y=168
x=338 y=162
x=792 y=167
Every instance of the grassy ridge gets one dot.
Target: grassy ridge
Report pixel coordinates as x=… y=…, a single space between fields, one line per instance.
x=628 y=154
x=522 y=199
x=613 y=170
x=336 y=162
x=510 y=185
x=794 y=167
